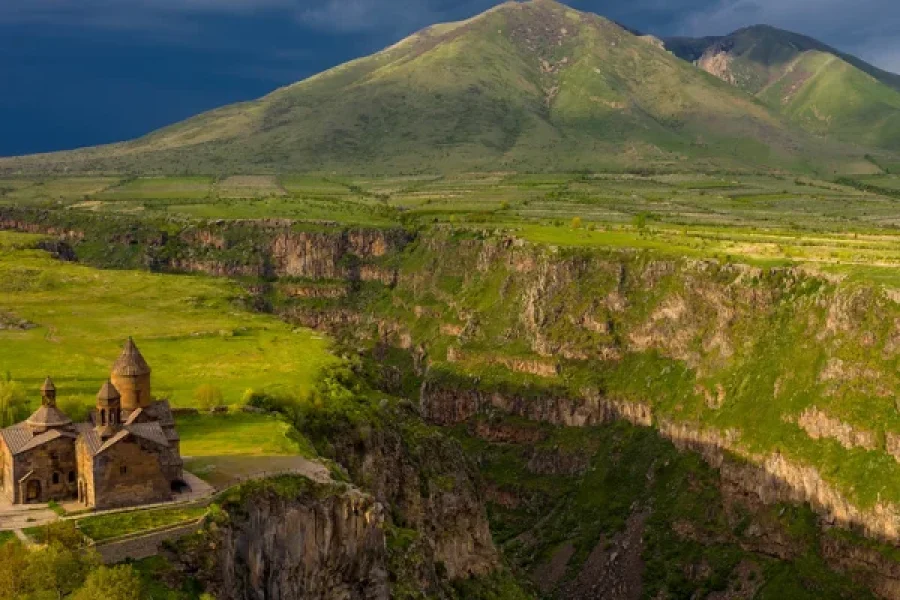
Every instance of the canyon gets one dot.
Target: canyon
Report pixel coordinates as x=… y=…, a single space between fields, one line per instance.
x=779 y=378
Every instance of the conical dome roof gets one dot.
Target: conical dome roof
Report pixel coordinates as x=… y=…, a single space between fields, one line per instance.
x=47 y=417
x=48 y=385
x=108 y=393
x=130 y=363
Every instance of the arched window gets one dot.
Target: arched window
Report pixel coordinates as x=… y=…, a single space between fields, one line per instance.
x=103 y=416
x=55 y=478
x=71 y=476
x=123 y=470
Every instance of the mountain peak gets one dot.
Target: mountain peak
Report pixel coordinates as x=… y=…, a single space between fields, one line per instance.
x=532 y=85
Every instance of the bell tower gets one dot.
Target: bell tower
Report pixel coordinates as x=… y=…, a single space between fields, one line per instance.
x=109 y=414
x=48 y=393
x=131 y=377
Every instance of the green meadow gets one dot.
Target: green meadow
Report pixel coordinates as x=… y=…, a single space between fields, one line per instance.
x=105 y=527
x=69 y=321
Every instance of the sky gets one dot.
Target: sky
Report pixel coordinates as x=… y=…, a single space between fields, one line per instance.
x=76 y=73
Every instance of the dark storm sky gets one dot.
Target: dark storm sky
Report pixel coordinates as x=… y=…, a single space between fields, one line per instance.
x=81 y=72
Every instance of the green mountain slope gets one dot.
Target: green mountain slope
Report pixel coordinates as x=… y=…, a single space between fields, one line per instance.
x=817 y=87
x=524 y=86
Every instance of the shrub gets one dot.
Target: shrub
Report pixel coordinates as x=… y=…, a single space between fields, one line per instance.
x=113 y=583
x=13 y=402
x=208 y=397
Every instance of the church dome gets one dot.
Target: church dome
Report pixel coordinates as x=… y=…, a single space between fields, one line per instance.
x=130 y=363
x=48 y=386
x=108 y=393
x=48 y=416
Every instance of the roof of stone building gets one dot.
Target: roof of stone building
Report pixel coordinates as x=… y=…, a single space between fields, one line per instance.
x=131 y=362
x=47 y=436
x=19 y=438
x=149 y=431
x=48 y=416
x=162 y=412
x=138 y=415
x=16 y=437
x=96 y=445
x=108 y=393
x=48 y=385
x=91 y=439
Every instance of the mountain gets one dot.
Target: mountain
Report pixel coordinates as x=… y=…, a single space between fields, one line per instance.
x=524 y=86
x=821 y=89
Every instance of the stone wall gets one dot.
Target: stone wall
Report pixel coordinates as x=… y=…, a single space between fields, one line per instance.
x=53 y=469
x=129 y=473
x=7 y=485
x=143 y=546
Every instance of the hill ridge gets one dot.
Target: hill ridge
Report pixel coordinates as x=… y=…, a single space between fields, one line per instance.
x=820 y=89
x=531 y=85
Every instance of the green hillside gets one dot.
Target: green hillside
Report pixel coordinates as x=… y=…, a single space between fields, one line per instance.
x=817 y=87
x=524 y=86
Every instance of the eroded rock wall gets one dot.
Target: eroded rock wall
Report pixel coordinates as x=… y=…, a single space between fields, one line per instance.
x=314 y=545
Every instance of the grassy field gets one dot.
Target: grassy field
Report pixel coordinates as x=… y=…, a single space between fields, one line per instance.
x=851 y=230
x=237 y=434
x=222 y=448
x=104 y=527
x=189 y=328
x=749 y=201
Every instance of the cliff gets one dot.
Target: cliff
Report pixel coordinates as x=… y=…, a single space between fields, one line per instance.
x=781 y=375
x=781 y=379
x=439 y=531
x=287 y=538
x=264 y=248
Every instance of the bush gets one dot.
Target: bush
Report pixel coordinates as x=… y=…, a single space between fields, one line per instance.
x=208 y=397
x=576 y=222
x=112 y=583
x=266 y=401
x=75 y=409
x=13 y=402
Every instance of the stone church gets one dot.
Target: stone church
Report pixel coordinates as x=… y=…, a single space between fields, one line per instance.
x=127 y=453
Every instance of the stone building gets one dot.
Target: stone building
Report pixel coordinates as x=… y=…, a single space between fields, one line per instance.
x=127 y=453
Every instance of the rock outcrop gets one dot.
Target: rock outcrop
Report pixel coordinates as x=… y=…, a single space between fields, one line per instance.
x=263 y=248
x=283 y=541
x=430 y=487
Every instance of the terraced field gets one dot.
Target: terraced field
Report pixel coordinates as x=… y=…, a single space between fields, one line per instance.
x=762 y=219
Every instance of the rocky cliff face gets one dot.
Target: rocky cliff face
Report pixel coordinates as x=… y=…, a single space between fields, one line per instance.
x=264 y=248
x=291 y=540
x=782 y=380
x=774 y=373
x=431 y=488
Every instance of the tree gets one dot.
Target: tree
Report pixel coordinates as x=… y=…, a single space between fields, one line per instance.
x=208 y=397
x=12 y=570
x=64 y=533
x=640 y=221
x=576 y=222
x=56 y=571
x=74 y=408
x=111 y=583
x=13 y=402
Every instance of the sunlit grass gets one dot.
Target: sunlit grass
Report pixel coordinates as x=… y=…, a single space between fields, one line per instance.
x=189 y=328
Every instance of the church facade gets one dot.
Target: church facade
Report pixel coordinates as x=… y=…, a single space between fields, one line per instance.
x=127 y=453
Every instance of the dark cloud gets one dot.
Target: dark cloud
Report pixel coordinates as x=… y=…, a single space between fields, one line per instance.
x=867 y=28
x=89 y=71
